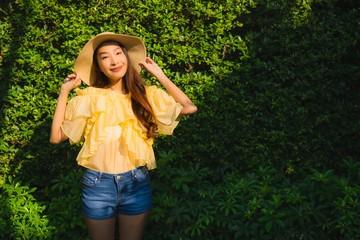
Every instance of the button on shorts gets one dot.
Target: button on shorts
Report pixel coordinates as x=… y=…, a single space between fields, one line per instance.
x=106 y=195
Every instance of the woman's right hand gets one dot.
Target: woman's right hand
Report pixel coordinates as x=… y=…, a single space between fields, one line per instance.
x=71 y=81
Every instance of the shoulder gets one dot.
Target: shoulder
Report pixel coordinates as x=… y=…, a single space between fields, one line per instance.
x=153 y=91
x=91 y=91
x=159 y=98
x=150 y=89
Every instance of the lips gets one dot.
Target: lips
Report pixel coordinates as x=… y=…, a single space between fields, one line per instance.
x=117 y=69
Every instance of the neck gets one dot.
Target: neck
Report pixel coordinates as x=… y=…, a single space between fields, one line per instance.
x=116 y=87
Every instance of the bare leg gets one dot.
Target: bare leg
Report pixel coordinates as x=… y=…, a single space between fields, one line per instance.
x=101 y=229
x=131 y=227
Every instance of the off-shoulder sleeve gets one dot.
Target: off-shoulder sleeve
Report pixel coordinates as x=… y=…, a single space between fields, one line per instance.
x=78 y=110
x=166 y=109
x=75 y=119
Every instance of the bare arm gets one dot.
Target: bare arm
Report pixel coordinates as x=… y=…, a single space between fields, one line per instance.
x=188 y=106
x=57 y=135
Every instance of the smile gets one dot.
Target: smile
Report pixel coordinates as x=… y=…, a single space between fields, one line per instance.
x=117 y=69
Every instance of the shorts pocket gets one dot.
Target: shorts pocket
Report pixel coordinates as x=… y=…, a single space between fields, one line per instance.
x=141 y=174
x=90 y=178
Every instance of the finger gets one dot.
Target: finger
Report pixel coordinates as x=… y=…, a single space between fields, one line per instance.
x=78 y=80
x=77 y=77
x=144 y=62
x=143 y=65
x=149 y=60
x=70 y=77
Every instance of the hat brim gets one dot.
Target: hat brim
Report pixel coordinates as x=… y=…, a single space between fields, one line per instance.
x=84 y=66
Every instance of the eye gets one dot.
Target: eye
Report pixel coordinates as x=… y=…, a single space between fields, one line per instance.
x=118 y=53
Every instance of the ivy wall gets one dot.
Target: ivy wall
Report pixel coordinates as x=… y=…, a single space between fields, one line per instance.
x=273 y=152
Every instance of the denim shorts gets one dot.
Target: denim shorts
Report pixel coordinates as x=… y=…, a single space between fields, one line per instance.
x=106 y=195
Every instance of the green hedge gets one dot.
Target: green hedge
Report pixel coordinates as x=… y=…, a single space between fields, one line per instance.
x=273 y=152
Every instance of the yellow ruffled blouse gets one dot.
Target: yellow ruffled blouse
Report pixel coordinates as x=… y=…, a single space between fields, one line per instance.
x=114 y=140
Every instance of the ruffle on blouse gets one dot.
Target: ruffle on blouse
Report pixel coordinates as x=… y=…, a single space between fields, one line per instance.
x=94 y=109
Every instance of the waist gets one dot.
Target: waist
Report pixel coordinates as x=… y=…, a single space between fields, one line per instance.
x=123 y=175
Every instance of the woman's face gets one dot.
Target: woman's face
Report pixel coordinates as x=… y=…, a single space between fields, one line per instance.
x=112 y=61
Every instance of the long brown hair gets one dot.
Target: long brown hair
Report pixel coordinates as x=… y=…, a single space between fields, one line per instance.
x=131 y=83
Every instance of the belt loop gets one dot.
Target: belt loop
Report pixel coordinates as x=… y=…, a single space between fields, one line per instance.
x=133 y=173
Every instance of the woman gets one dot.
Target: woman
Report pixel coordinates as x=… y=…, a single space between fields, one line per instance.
x=117 y=117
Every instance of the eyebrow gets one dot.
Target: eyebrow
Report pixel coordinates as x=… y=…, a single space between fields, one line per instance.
x=117 y=48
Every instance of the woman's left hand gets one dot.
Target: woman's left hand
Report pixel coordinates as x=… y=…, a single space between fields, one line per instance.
x=150 y=66
x=188 y=106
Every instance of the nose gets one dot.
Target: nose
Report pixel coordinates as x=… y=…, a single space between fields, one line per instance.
x=114 y=60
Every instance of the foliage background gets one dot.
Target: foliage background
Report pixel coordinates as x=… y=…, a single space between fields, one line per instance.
x=273 y=152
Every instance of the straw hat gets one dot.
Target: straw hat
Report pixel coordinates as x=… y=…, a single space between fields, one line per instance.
x=84 y=66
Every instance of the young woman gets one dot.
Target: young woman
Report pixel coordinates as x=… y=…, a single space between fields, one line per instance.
x=117 y=118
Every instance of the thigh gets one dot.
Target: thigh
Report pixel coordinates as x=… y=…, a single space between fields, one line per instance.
x=131 y=227
x=101 y=229
x=99 y=196
x=136 y=193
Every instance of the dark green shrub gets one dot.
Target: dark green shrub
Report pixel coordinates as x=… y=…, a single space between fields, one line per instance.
x=21 y=215
x=260 y=204
x=64 y=194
